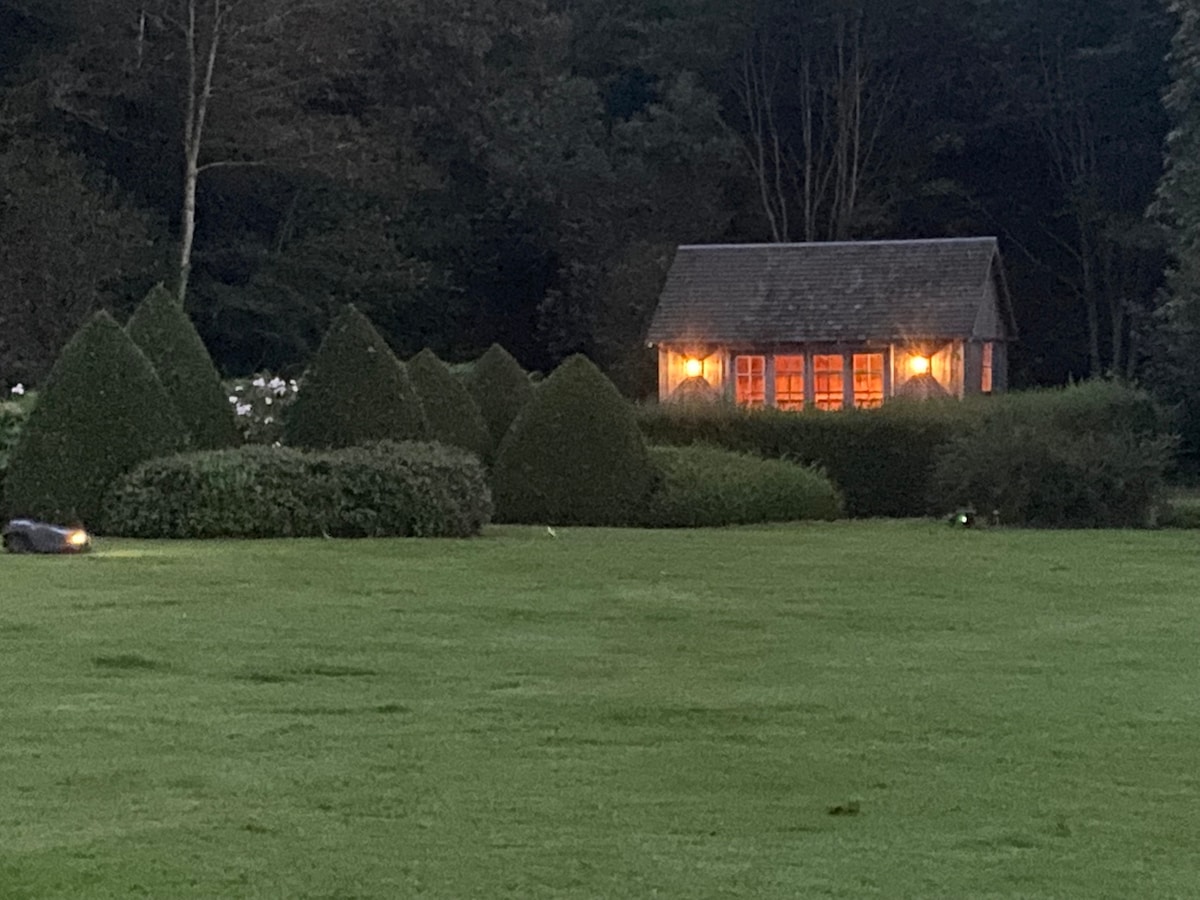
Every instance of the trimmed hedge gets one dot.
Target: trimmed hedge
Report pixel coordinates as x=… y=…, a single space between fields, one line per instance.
x=1024 y=473
x=454 y=417
x=165 y=333
x=883 y=460
x=101 y=411
x=574 y=455
x=355 y=390
x=374 y=490
x=501 y=389
x=703 y=487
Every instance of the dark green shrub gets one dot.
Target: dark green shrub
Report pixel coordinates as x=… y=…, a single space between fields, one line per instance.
x=880 y=460
x=250 y=491
x=501 y=389
x=1025 y=473
x=1090 y=406
x=354 y=391
x=451 y=411
x=163 y=331
x=702 y=486
x=413 y=489
x=574 y=455
x=1180 y=512
x=101 y=412
x=13 y=414
x=373 y=490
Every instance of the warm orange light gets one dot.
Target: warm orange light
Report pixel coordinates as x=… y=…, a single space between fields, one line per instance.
x=78 y=538
x=692 y=368
x=918 y=365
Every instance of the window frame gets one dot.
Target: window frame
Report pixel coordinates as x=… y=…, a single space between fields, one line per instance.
x=752 y=374
x=825 y=395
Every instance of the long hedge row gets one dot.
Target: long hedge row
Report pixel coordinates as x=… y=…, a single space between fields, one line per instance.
x=1104 y=451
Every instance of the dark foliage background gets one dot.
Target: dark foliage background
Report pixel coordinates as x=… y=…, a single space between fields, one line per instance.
x=478 y=171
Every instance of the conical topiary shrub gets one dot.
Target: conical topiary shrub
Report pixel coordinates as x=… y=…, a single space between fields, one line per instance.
x=574 y=455
x=101 y=411
x=355 y=390
x=163 y=331
x=453 y=415
x=501 y=389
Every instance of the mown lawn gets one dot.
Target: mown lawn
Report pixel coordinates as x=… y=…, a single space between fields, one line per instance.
x=845 y=710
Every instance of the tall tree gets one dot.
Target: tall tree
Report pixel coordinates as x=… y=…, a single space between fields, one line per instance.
x=1178 y=208
x=71 y=246
x=241 y=88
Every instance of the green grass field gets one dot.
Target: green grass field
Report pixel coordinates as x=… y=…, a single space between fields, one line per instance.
x=845 y=710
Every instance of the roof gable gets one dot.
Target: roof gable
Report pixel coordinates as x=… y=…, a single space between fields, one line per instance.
x=841 y=291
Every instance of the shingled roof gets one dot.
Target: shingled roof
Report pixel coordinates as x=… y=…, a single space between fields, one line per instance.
x=816 y=292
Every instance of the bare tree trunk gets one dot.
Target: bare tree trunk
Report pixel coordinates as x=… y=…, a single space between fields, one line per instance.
x=199 y=90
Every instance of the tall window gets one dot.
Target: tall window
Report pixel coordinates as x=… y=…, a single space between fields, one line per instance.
x=751 y=380
x=985 y=383
x=789 y=382
x=868 y=379
x=828 y=392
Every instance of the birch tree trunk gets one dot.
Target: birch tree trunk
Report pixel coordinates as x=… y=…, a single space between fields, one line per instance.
x=202 y=45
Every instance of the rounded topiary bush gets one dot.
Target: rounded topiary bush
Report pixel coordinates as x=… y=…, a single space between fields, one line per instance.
x=501 y=389
x=101 y=411
x=703 y=486
x=163 y=331
x=374 y=490
x=249 y=491
x=574 y=455
x=451 y=411
x=355 y=390
x=1034 y=474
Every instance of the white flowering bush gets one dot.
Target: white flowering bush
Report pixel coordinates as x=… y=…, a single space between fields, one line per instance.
x=259 y=403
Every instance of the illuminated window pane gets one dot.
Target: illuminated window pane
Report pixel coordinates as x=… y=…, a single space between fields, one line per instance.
x=828 y=391
x=868 y=380
x=751 y=380
x=789 y=382
x=986 y=380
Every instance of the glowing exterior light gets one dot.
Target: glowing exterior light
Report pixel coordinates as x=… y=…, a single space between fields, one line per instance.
x=918 y=365
x=78 y=538
x=692 y=368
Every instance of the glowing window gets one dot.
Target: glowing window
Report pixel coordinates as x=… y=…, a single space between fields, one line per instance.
x=751 y=380
x=828 y=391
x=868 y=379
x=986 y=378
x=789 y=382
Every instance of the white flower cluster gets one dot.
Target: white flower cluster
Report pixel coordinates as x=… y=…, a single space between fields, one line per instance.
x=257 y=403
x=17 y=390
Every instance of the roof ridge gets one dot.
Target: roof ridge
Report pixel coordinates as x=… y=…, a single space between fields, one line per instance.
x=760 y=246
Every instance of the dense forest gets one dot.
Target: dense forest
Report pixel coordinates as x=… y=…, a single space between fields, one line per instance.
x=520 y=171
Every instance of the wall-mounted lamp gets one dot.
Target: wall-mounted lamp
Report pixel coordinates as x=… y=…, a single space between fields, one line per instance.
x=692 y=367
x=918 y=365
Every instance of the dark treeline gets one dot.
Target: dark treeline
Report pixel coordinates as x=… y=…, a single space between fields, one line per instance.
x=520 y=171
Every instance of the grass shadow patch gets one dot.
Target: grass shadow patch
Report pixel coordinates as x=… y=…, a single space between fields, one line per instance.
x=325 y=671
x=130 y=662
x=265 y=677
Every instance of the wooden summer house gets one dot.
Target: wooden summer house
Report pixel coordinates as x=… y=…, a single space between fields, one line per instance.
x=833 y=325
